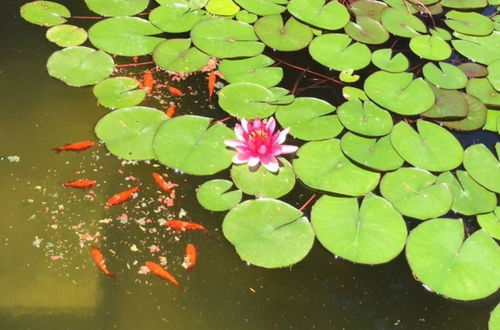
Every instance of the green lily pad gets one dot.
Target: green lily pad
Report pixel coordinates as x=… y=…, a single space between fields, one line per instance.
x=372 y=234
x=255 y=70
x=44 y=13
x=430 y=47
x=348 y=76
x=399 y=93
x=293 y=35
x=494 y=321
x=483 y=167
x=309 y=119
x=490 y=222
x=263 y=7
x=432 y=148
x=469 y=23
x=406 y=6
x=224 y=38
x=441 y=33
x=66 y=35
x=464 y=4
x=126 y=36
x=322 y=165
x=484 y=50
x=246 y=17
x=119 y=92
x=213 y=195
x=177 y=55
x=335 y=51
x=447 y=76
x=80 y=66
x=128 y=132
x=400 y=23
x=263 y=183
x=473 y=70
x=483 y=90
x=222 y=7
x=469 y=198
x=415 y=193
x=353 y=93
x=332 y=16
x=383 y=59
x=175 y=16
x=192 y=145
x=117 y=7
x=377 y=154
x=450 y=104
x=494 y=74
x=368 y=8
x=282 y=96
x=476 y=115
x=365 y=118
x=367 y=31
x=247 y=100
x=442 y=260
x=492 y=120
x=268 y=233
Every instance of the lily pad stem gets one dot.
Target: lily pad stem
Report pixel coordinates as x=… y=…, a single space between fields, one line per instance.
x=307 y=202
x=307 y=70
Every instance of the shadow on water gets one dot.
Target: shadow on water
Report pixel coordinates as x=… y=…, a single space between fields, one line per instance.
x=36 y=292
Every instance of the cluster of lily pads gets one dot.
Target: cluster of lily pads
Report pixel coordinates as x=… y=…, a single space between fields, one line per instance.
x=383 y=155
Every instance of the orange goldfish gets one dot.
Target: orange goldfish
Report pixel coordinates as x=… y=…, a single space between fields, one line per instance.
x=190 y=258
x=162 y=273
x=174 y=91
x=77 y=146
x=100 y=262
x=180 y=225
x=171 y=110
x=121 y=197
x=166 y=186
x=148 y=81
x=81 y=183
x=212 y=78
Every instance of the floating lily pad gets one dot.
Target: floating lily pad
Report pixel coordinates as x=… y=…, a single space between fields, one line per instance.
x=447 y=76
x=268 y=233
x=247 y=100
x=464 y=4
x=483 y=90
x=484 y=50
x=282 y=96
x=430 y=47
x=367 y=31
x=415 y=193
x=401 y=23
x=119 y=92
x=117 y=7
x=469 y=198
x=322 y=165
x=348 y=76
x=309 y=119
x=80 y=66
x=177 y=55
x=338 y=53
x=372 y=234
x=368 y=8
x=214 y=196
x=263 y=7
x=45 y=13
x=432 y=148
x=255 y=70
x=494 y=321
x=224 y=38
x=492 y=118
x=441 y=33
x=399 y=93
x=353 y=93
x=293 y=35
x=365 y=118
x=126 y=36
x=494 y=74
x=175 y=16
x=191 y=145
x=442 y=260
x=406 y=6
x=128 y=132
x=263 y=183
x=469 y=23
x=473 y=70
x=332 y=16
x=377 y=154
x=66 y=35
x=490 y=222
x=383 y=59
x=483 y=167
x=476 y=115
x=222 y=7
x=450 y=104
x=246 y=17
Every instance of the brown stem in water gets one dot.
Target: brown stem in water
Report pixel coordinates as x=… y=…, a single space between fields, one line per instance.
x=134 y=64
x=87 y=17
x=297 y=81
x=307 y=202
x=307 y=70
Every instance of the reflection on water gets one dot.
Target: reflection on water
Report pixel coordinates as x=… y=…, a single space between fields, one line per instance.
x=48 y=280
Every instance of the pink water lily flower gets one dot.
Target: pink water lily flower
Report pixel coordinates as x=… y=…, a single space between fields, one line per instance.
x=258 y=143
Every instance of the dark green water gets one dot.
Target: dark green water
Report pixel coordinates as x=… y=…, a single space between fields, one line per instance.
x=39 y=113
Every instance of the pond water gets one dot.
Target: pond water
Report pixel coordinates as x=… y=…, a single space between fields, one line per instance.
x=48 y=280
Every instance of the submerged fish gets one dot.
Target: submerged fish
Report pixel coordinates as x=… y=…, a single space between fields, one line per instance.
x=164 y=185
x=174 y=91
x=100 y=262
x=180 y=225
x=171 y=110
x=162 y=273
x=148 y=81
x=212 y=78
x=76 y=146
x=190 y=257
x=81 y=183
x=121 y=197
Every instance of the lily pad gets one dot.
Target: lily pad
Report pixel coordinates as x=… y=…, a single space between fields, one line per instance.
x=263 y=183
x=336 y=51
x=399 y=93
x=441 y=33
x=476 y=115
x=494 y=74
x=128 y=132
x=450 y=104
x=365 y=118
x=368 y=8
x=473 y=70
x=348 y=76
x=383 y=59
x=322 y=165
x=490 y=222
x=119 y=92
x=282 y=96
x=332 y=16
x=483 y=90
x=447 y=76
x=126 y=36
x=483 y=167
x=400 y=23
x=255 y=70
x=367 y=31
x=66 y=35
x=309 y=119
x=263 y=7
x=464 y=4
x=222 y=7
x=117 y=7
x=192 y=145
x=415 y=193
x=246 y=17
x=494 y=321
x=484 y=50
x=247 y=100
x=432 y=148
x=430 y=47
x=353 y=93
x=372 y=234
x=442 y=260
x=406 y=6
x=175 y=16
x=470 y=23
x=214 y=196
x=268 y=233
x=177 y=55
x=44 y=13
x=293 y=35
x=224 y=38
x=80 y=66
x=469 y=198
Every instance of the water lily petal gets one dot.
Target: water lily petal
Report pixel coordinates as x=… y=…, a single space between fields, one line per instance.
x=288 y=149
x=244 y=125
x=240 y=132
x=240 y=158
x=253 y=161
x=270 y=126
x=270 y=163
x=281 y=136
x=257 y=123
x=233 y=143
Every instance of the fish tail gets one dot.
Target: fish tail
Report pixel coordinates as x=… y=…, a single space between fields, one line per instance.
x=56 y=150
x=113 y=275
x=206 y=232
x=180 y=287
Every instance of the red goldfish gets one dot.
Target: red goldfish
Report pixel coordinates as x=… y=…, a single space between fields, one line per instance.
x=162 y=273
x=171 y=110
x=166 y=186
x=100 y=262
x=212 y=78
x=174 y=91
x=77 y=146
x=184 y=225
x=190 y=258
x=81 y=183
x=121 y=197
x=148 y=82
